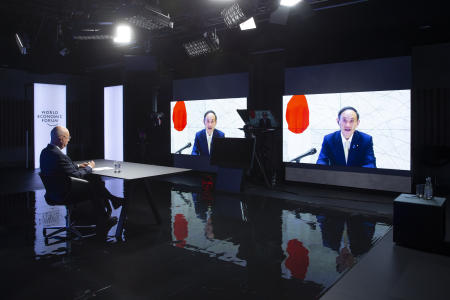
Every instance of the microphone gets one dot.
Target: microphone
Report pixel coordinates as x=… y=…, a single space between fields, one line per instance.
x=309 y=152
x=185 y=147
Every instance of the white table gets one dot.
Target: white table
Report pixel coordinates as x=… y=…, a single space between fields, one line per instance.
x=134 y=174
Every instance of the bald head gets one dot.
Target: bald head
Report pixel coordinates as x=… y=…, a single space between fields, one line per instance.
x=60 y=136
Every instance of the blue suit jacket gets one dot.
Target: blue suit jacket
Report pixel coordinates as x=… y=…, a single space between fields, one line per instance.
x=360 y=153
x=201 y=144
x=57 y=166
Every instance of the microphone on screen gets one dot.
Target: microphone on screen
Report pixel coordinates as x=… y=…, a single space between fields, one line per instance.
x=309 y=152
x=185 y=147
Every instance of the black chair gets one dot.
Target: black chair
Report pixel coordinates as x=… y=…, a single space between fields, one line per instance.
x=62 y=190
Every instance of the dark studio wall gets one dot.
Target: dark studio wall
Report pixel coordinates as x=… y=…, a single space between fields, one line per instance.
x=354 y=76
x=140 y=140
x=266 y=89
x=16 y=106
x=431 y=116
x=147 y=90
x=211 y=87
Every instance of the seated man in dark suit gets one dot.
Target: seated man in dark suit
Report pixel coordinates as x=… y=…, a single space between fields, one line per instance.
x=265 y=122
x=55 y=165
x=205 y=137
x=347 y=147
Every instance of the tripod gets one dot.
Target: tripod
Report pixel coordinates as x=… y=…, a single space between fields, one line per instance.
x=250 y=134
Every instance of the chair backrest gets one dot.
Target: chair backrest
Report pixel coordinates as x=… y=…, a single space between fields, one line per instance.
x=56 y=188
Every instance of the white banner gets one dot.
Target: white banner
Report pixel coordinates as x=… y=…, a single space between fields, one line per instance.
x=49 y=111
x=113 y=116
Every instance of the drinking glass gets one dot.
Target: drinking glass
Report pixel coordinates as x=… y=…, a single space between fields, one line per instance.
x=419 y=190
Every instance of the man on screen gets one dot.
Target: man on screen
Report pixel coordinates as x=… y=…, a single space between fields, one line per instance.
x=204 y=138
x=348 y=146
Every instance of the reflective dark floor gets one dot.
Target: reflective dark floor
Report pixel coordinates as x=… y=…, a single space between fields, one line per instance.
x=208 y=245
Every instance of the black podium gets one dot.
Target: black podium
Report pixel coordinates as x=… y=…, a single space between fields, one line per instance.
x=419 y=223
x=232 y=156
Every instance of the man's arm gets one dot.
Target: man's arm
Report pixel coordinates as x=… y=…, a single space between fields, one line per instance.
x=369 y=157
x=323 y=156
x=70 y=169
x=195 y=149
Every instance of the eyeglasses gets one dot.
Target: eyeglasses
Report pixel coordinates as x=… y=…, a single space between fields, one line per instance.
x=67 y=137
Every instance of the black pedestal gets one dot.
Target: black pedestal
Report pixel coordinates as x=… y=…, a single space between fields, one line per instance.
x=419 y=223
x=229 y=180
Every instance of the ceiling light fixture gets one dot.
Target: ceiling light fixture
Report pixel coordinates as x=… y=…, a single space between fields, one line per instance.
x=149 y=18
x=233 y=16
x=93 y=33
x=23 y=43
x=208 y=44
x=289 y=3
x=93 y=37
x=123 y=34
x=249 y=24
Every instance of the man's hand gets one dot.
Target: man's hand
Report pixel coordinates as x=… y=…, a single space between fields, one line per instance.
x=83 y=165
x=91 y=164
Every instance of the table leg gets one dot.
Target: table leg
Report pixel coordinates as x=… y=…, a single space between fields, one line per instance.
x=152 y=204
x=123 y=212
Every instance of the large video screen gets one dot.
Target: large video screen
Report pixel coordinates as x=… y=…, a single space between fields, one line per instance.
x=188 y=122
x=373 y=129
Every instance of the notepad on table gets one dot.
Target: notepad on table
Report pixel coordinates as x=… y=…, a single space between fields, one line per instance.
x=102 y=168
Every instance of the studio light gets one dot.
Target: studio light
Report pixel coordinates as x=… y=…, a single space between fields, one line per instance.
x=93 y=37
x=289 y=3
x=233 y=15
x=208 y=44
x=64 y=51
x=23 y=43
x=123 y=34
x=249 y=24
x=93 y=33
x=149 y=18
x=61 y=46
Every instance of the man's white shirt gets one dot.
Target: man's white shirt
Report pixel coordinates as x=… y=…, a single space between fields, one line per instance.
x=346 y=144
x=209 y=139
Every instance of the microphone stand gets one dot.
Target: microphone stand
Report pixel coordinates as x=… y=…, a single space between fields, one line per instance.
x=311 y=152
x=185 y=147
x=258 y=161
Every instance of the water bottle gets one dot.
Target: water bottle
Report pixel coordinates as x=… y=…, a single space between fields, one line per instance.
x=274 y=179
x=428 y=190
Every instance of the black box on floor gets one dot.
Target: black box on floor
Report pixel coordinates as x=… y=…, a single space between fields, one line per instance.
x=419 y=223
